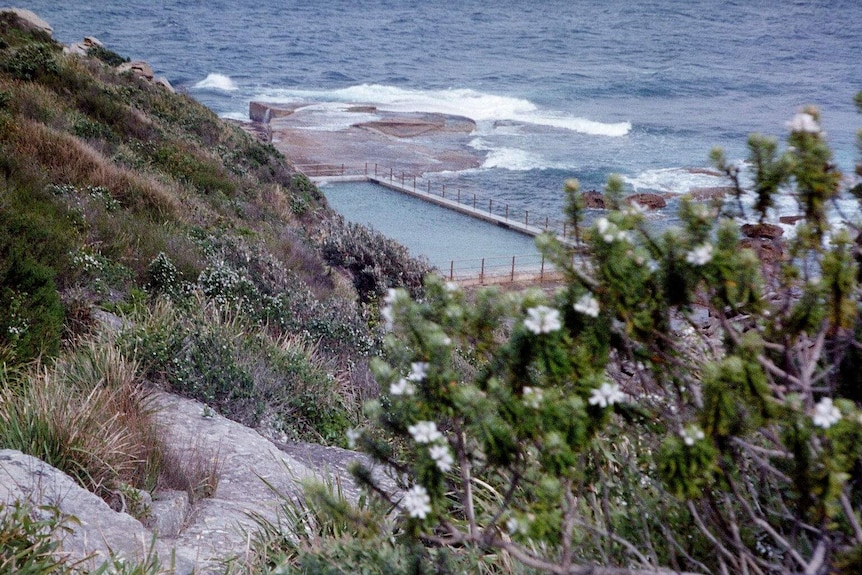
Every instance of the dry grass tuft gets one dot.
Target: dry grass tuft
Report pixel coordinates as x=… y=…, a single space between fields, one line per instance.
x=67 y=159
x=88 y=415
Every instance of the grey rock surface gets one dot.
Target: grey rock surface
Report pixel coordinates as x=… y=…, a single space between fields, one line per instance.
x=254 y=479
x=100 y=529
x=31 y=19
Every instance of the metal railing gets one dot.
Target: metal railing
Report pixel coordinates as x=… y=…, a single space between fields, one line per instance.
x=527 y=268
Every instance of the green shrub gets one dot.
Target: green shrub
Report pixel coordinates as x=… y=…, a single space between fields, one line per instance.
x=376 y=262
x=212 y=354
x=36 y=236
x=106 y=55
x=30 y=62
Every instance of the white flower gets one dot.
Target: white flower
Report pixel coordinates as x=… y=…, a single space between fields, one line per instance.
x=352 y=436
x=542 y=319
x=587 y=305
x=533 y=397
x=417 y=502
x=442 y=457
x=425 y=432
x=624 y=236
x=451 y=287
x=691 y=434
x=701 y=255
x=388 y=317
x=402 y=387
x=392 y=295
x=804 y=122
x=606 y=394
x=825 y=413
x=418 y=371
x=515 y=525
x=603 y=225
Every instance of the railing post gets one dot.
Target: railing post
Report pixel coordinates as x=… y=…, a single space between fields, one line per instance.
x=342 y=169
x=527 y=218
x=542 y=269
x=564 y=230
x=429 y=187
x=482 y=273
x=402 y=179
x=474 y=201
x=547 y=219
x=512 y=279
x=507 y=211
x=391 y=174
x=366 y=169
x=490 y=206
x=444 y=190
x=459 y=195
x=414 y=183
x=451 y=270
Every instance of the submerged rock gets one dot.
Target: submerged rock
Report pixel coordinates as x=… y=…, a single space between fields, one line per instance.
x=593 y=200
x=767 y=231
x=648 y=201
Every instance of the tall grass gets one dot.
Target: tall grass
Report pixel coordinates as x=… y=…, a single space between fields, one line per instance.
x=88 y=415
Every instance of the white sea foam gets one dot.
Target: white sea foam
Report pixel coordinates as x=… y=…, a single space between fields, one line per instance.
x=673 y=180
x=478 y=106
x=215 y=81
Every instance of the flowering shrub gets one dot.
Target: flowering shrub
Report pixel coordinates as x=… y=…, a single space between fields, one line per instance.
x=739 y=403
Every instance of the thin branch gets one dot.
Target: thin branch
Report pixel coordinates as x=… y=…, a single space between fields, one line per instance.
x=851 y=517
x=698 y=520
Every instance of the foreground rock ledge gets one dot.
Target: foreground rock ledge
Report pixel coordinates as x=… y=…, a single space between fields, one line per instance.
x=217 y=528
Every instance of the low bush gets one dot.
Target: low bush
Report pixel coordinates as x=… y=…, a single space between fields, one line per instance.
x=209 y=353
x=376 y=262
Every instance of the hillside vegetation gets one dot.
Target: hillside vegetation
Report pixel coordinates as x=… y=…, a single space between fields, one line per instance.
x=235 y=281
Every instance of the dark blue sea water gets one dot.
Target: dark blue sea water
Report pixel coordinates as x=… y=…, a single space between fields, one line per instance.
x=559 y=88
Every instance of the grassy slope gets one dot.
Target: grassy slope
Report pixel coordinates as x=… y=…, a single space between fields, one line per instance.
x=244 y=289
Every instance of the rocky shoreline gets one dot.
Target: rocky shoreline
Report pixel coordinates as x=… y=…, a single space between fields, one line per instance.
x=409 y=142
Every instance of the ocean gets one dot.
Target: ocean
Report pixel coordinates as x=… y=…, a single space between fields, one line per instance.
x=558 y=88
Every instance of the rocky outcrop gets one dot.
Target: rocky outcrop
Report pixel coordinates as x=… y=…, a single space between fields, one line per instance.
x=97 y=530
x=762 y=230
x=83 y=47
x=30 y=20
x=263 y=112
x=648 y=201
x=253 y=478
x=593 y=200
x=710 y=193
x=354 y=134
x=791 y=220
x=137 y=67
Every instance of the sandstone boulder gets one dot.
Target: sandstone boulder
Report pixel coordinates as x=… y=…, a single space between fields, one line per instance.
x=790 y=220
x=648 y=201
x=138 y=68
x=163 y=82
x=710 y=193
x=767 y=231
x=30 y=20
x=593 y=200
x=264 y=112
x=770 y=252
